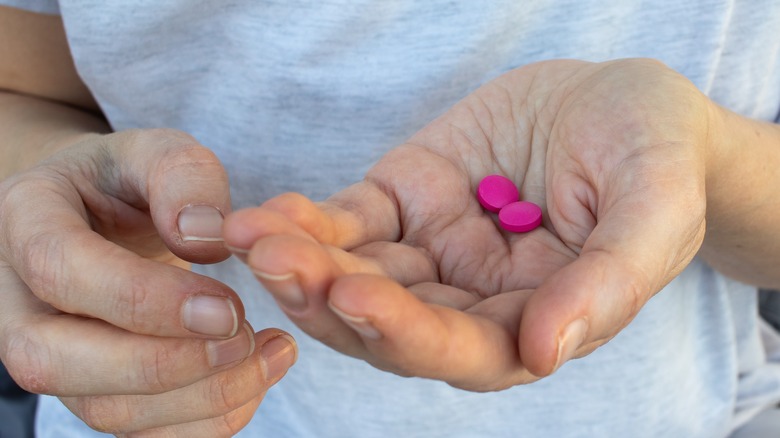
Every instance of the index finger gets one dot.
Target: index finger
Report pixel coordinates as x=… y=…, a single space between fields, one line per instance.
x=135 y=185
x=360 y=214
x=74 y=269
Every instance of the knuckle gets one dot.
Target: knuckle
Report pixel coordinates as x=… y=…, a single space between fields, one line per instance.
x=299 y=209
x=195 y=157
x=225 y=393
x=181 y=153
x=132 y=300
x=164 y=432
x=292 y=204
x=15 y=195
x=29 y=362
x=158 y=371
x=175 y=148
x=636 y=282
x=169 y=136
x=231 y=423
x=181 y=149
x=107 y=414
x=43 y=267
x=12 y=193
x=36 y=255
x=635 y=294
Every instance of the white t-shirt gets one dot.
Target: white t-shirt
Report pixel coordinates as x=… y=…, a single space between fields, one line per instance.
x=305 y=95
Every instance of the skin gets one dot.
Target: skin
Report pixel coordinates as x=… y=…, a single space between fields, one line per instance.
x=636 y=172
x=404 y=270
x=93 y=263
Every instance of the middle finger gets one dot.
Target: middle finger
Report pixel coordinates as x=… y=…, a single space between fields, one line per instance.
x=211 y=397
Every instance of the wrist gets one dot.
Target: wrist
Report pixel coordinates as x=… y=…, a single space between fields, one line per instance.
x=743 y=158
x=741 y=163
x=717 y=151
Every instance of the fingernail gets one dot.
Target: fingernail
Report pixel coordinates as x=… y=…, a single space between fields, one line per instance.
x=231 y=350
x=278 y=354
x=240 y=253
x=210 y=315
x=360 y=324
x=285 y=288
x=200 y=223
x=570 y=340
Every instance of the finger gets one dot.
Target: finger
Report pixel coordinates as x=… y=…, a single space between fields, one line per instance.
x=182 y=183
x=68 y=265
x=226 y=425
x=298 y=273
x=311 y=267
x=216 y=396
x=387 y=206
x=444 y=295
x=632 y=253
x=62 y=354
x=357 y=215
x=256 y=226
x=245 y=227
x=47 y=359
x=409 y=337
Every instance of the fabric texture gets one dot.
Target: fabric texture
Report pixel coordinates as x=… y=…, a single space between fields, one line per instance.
x=305 y=95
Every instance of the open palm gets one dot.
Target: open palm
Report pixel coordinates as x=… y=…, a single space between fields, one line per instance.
x=407 y=271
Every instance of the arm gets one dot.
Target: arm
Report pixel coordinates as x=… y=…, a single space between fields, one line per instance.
x=743 y=199
x=36 y=59
x=87 y=218
x=43 y=102
x=33 y=128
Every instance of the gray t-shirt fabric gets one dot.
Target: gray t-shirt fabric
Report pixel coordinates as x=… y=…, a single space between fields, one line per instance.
x=305 y=95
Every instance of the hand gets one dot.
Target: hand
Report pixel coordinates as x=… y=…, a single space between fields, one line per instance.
x=407 y=271
x=96 y=306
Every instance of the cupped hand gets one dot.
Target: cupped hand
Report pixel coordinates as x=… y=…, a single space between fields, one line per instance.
x=407 y=271
x=98 y=306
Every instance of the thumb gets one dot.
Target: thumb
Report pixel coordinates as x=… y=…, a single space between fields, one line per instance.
x=631 y=254
x=183 y=185
x=580 y=307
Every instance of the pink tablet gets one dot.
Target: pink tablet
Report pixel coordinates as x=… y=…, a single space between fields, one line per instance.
x=520 y=217
x=496 y=191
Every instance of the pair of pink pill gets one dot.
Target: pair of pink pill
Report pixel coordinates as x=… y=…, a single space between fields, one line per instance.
x=499 y=194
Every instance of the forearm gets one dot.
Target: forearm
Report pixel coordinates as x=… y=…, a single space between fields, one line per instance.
x=32 y=129
x=743 y=199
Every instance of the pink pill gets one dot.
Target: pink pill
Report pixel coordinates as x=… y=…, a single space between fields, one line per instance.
x=496 y=191
x=520 y=217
